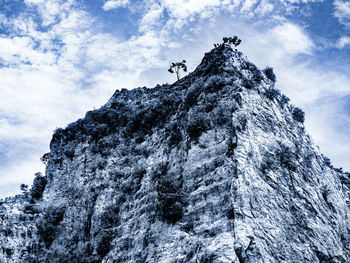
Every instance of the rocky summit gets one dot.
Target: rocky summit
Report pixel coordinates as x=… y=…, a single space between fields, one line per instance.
x=216 y=167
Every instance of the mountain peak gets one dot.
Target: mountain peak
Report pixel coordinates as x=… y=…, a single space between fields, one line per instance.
x=222 y=56
x=221 y=62
x=216 y=167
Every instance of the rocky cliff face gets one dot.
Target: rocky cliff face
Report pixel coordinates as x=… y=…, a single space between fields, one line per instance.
x=214 y=168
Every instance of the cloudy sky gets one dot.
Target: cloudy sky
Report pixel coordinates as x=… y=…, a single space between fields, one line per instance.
x=60 y=58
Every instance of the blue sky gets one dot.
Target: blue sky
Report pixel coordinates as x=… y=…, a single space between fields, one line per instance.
x=60 y=58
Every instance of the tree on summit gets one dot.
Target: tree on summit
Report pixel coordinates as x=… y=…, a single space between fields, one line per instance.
x=177 y=67
x=232 y=40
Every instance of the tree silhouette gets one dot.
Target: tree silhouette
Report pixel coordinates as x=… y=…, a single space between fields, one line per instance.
x=177 y=67
x=232 y=40
x=45 y=158
x=24 y=188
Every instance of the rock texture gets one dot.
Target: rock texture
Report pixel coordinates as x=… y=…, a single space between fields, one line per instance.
x=214 y=168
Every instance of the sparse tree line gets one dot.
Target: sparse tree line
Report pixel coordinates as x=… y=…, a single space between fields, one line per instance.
x=230 y=41
x=177 y=67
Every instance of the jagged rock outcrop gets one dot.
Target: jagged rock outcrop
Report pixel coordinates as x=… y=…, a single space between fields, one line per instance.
x=214 y=168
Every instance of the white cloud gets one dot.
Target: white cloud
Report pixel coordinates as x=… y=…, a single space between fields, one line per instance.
x=22 y=50
x=291 y=39
x=248 y=5
x=151 y=19
x=75 y=66
x=51 y=11
x=114 y=4
x=342 y=11
x=264 y=7
x=328 y=124
x=187 y=8
x=54 y=77
x=20 y=171
x=343 y=41
x=34 y=1
x=319 y=91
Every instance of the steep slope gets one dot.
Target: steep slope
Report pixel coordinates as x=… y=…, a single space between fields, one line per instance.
x=214 y=168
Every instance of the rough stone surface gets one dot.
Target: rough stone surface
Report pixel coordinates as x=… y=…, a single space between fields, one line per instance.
x=214 y=168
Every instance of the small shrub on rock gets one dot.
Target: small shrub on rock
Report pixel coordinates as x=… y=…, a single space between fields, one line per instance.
x=247 y=83
x=38 y=187
x=287 y=158
x=107 y=221
x=270 y=74
x=298 y=115
x=327 y=161
x=214 y=83
x=170 y=201
x=197 y=126
x=103 y=243
x=45 y=158
x=48 y=224
x=192 y=95
x=272 y=93
x=284 y=99
x=175 y=136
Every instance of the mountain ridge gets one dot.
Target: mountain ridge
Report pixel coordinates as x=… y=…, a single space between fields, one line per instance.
x=216 y=167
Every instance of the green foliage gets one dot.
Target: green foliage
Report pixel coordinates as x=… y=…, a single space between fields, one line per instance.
x=177 y=67
x=170 y=201
x=287 y=157
x=257 y=76
x=215 y=83
x=270 y=74
x=175 y=136
x=24 y=188
x=284 y=156
x=284 y=99
x=45 y=158
x=38 y=186
x=103 y=242
x=272 y=93
x=197 y=125
x=247 y=83
x=298 y=115
x=192 y=95
x=48 y=224
x=327 y=161
x=143 y=121
x=107 y=221
x=232 y=40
